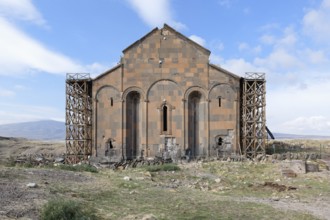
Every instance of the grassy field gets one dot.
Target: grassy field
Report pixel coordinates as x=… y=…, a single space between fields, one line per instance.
x=212 y=190
x=196 y=190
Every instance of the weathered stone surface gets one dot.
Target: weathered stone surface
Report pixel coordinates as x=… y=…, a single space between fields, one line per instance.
x=151 y=95
x=297 y=166
x=288 y=173
x=312 y=167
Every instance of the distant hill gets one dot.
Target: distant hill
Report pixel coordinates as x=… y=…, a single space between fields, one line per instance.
x=55 y=130
x=297 y=136
x=37 y=130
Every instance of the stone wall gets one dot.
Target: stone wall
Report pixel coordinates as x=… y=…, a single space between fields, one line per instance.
x=165 y=68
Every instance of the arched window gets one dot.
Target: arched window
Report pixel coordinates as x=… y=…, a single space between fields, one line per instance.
x=111 y=101
x=165 y=118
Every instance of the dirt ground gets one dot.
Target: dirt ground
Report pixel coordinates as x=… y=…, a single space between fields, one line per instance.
x=239 y=182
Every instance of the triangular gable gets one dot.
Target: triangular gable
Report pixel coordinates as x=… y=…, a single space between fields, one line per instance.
x=187 y=39
x=169 y=28
x=140 y=40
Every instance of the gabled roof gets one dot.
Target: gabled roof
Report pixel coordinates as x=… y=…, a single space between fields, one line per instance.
x=187 y=39
x=225 y=71
x=140 y=40
x=108 y=71
x=172 y=30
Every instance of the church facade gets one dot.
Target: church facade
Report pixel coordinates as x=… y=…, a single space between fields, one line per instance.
x=164 y=94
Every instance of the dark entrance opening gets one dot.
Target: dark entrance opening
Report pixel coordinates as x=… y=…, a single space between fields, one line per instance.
x=194 y=101
x=132 y=124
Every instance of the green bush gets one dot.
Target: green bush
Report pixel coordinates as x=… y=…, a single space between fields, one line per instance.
x=164 y=167
x=66 y=210
x=78 y=168
x=11 y=162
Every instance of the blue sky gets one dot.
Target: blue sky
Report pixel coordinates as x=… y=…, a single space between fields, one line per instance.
x=42 y=40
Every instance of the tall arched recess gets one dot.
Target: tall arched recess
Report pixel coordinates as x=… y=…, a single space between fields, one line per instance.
x=196 y=125
x=133 y=121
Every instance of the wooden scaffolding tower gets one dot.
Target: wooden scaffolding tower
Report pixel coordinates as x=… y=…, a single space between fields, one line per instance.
x=78 y=117
x=253 y=115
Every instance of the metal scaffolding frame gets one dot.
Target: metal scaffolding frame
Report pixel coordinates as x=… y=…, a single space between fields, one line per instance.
x=78 y=117
x=253 y=115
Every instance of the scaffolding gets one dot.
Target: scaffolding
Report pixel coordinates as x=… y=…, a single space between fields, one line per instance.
x=78 y=117
x=253 y=112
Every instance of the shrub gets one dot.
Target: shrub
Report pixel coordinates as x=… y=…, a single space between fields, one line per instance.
x=11 y=162
x=78 y=168
x=66 y=210
x=164 y=167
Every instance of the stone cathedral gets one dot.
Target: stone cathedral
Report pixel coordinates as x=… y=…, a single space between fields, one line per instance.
x=164 y=94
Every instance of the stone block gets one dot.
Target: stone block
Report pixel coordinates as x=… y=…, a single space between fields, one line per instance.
x=297 y=166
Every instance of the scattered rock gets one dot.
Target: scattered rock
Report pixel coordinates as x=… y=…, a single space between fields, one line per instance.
x=297 y=166
x=39 y=159
x=312 y=167
x=31 y=185
x=133 y=192
x=217 y=180
x=149 y=217
x=275 y=198
x=127 y=178
x=279 y=187
x=323 y=164
x=59 y=160
x=288 y=173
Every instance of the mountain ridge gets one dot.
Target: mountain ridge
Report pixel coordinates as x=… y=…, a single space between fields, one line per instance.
x=35 y=130
x=55 y=130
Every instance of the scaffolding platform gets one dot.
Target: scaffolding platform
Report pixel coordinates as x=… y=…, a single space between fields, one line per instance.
x=253 y=114
x=78 y=118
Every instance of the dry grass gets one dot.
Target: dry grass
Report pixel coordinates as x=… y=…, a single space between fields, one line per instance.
x=212 y=190
x=17 y=146
x=321 y=147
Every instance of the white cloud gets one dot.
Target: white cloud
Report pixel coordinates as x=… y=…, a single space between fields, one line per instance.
x=19 y=87
x=216 y=45
x=216 y=59
x=225 y=3
x=267 y=39
x=279 y=59
x=246 y=47
x=6 y=93
x=316 y=22
x=309 y=125
x=220 y=46
x=241 y=66
x=20 y=53
x=288 y=108
x=315 y=56
x=243 y=46
x=13 y=113
x=96 y=68
x=21 y=10
x=155 y=13
x=198 y=40
x=269 y=27
x=289 y=39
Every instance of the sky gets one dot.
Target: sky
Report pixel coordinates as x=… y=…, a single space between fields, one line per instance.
x=288 y=40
